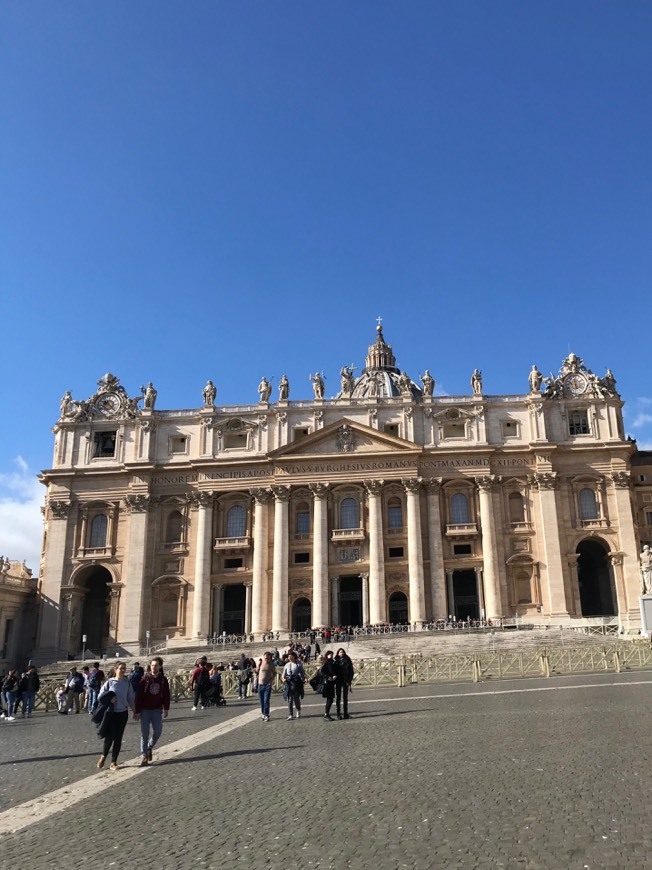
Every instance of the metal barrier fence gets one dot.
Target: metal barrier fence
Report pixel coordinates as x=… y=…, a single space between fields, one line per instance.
x=457 y=667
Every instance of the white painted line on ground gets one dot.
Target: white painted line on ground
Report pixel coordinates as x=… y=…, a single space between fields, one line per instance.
x=37 y=810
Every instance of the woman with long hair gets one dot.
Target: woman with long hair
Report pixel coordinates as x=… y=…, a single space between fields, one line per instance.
x=329 y=674
x=344 y=671
x=116 y=715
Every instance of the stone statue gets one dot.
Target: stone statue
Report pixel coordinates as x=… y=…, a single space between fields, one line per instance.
x=536 y=379
x=428 y=383
x=372 y=392
x=81 y=410
x=476 y=382
x=66 y=406
x=646 y=569
x=209 y=394
x=317 y=385
x=5 y=565
x=264 y=390
x=610 y=382
x=347 y=381
x=283 y=389
x=404 y=384
x=149 y=397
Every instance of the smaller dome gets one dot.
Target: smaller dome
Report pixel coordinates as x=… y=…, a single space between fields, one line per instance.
x=381 y=378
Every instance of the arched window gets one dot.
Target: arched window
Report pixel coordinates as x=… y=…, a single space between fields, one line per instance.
x=459 y=508
x=174 y=528
x=394 y=513
x=516 y=508
x=99 y=526
x=302 y=519
x=236 y=522
x=349 y=514
x=588 y=505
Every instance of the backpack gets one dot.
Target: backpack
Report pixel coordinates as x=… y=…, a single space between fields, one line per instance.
x=94 y=680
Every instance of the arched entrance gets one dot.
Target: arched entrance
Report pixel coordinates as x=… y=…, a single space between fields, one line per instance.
x=398 y=608
x=301 y=615
x=595 y=580
x=95 y=611
x=233 y=617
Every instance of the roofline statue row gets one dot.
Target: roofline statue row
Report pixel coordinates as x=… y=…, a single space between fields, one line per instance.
x=380 y=378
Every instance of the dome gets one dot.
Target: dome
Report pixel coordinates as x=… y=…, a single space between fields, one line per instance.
x=381 y=377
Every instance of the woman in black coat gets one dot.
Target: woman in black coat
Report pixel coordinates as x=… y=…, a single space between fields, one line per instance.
x=344 y=673
x=328 y=672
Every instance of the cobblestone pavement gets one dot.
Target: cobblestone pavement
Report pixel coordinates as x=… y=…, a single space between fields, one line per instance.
x=521 y=774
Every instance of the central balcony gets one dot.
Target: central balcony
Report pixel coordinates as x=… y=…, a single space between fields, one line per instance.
x=461 y=529
x=343 y=535
x=241 y=543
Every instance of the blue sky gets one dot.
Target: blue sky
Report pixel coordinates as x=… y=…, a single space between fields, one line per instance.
x=232 y=189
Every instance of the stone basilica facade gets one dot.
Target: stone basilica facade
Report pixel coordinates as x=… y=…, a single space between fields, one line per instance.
x=386 y=503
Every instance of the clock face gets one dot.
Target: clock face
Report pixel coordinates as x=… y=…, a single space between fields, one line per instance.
x=576 y=383
x=108 y=404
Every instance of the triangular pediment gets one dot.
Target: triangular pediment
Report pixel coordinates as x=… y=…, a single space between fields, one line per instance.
x=345 y=438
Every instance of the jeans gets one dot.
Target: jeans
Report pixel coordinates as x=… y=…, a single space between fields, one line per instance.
x=242 y=688
x=28 y=702
x=72 y=698
x=10 y=698
x=153 y=718
x=342 y=690
x=92 y=699
x=294 y=698
x=264 y=695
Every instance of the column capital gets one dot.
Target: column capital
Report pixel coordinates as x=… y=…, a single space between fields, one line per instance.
x=281 y=493
x=621 y=479
x=260 y=494
x=545 y=479
x=374 y=487
x=412 y=484
x=219 y=586
x=319 y=490
x=136 y=503
x=59 y=509
x=486 y=482
x=616 y=557
x=433 y=485
x=247 y=584
x=201 y=499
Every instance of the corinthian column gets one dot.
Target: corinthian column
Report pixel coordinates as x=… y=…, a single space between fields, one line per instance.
x=137 y=506
x=490 y=572
x=377 y=605
x=415 y=551
x=203 y=502
x=554 y=569
x=436 y=551
x=259 y=616
x=627 y=571
x=320 y=614
x=280 y=575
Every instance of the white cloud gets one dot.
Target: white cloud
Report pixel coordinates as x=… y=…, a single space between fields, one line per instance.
x=21 y=522
x=641 y=420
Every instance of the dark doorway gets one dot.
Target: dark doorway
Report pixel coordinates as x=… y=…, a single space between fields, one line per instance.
x=466 y=602
x=350 y=601
x=95 y=612
x=233 y=616
x=595 y=582
x=301 y=615
x=398 y=608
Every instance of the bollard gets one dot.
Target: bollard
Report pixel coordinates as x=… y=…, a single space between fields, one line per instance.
x=545 y=664
x=617 y=661
x=476 y=670
x=401 y=676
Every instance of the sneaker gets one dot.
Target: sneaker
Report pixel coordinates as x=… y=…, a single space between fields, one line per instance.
x=201 y=706
x=11 y=718
x=194 y=708
x=328 y=717
x=289 y=718
x=339 y=715
x=100 y=762
x=149 y=753
x=143 y=761
x=346 y=716
x=298 y=715
x=265 y=718
x=114 y=766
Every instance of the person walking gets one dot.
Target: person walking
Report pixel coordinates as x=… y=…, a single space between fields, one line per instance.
x=344 y=671
x=115 y=719
x=29 y=686
x=151 y=706
x=9 y=691
x=293 y=678
x=199 y=683
x=266 y=674
x=74 y=688
x=329 y=673
x=95 y=680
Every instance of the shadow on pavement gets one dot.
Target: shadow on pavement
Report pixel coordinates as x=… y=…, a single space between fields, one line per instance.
x=49 y=758
x=227 y=755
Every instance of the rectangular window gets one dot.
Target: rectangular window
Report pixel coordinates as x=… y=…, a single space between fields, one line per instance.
x=391 y=429
x=301 y=558
x=232 y=563
x=178 y=444
x=509 y=428
x=104 y=444
x=462 y=549
x=395 y=516
x=303 y=522
x=454 y=430
x=9 y=627
x=648 y=517
x=235 y=441
x=396 y=552
x=578 y=423
x=299 y=433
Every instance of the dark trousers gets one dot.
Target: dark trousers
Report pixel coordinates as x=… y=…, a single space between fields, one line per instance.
x=114 y=739
x=200 y=695
x=342 y=690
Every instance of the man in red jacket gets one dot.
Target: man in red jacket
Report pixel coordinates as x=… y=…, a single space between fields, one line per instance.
x=151 y=706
